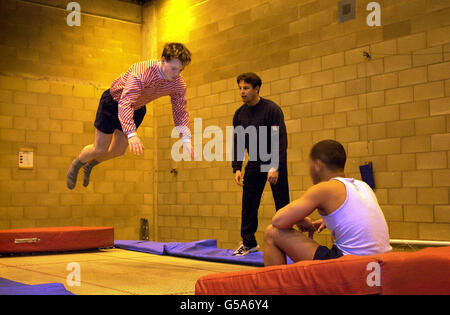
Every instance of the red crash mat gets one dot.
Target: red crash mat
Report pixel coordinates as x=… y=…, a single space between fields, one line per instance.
x=55 y=239
x=426 y=271
x=423 y=272
x=346 y=275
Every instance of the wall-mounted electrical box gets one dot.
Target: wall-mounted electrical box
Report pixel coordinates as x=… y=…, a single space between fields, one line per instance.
x=26 y=158
x=346 y=10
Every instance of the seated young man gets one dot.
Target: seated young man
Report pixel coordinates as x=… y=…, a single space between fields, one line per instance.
x=349 y=208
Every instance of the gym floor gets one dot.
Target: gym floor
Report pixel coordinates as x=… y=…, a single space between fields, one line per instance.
x=114 y=272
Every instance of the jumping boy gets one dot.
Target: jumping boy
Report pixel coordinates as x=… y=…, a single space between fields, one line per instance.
x=122 y=109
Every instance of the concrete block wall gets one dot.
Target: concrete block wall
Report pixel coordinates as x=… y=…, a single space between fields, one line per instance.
x=51 y=79
x=392 y=110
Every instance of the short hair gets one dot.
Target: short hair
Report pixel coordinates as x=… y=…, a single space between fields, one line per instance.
x=177 y=51
x=331 y=153
x=251 y=78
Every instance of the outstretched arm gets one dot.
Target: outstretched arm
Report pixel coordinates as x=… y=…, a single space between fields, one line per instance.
x=180 y=113
x=131 y=92
x=181 y=120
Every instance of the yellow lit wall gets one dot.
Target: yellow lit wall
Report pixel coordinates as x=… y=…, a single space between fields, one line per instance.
x=177 y=19
x=392 y=110
x=51 y=80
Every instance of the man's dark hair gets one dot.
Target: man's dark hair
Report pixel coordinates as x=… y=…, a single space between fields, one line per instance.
x=178 y=51
x=251 y=78
x=331 y=153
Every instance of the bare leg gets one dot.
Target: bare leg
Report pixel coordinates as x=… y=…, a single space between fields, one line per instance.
x=279 y=243
x=117 y=148
x=100 y=147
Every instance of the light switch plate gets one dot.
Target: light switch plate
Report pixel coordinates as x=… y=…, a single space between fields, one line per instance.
x=26 y=158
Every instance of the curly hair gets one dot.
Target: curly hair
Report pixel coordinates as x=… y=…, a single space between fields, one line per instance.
x=177 y=51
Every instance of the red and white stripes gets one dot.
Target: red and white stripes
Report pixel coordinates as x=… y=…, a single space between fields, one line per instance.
x=143 y=83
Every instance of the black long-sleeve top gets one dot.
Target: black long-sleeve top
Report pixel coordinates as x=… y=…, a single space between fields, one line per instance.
x=265 y=113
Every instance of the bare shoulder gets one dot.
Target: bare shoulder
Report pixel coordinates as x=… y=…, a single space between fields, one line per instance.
x=328 y=194
x=327 y=187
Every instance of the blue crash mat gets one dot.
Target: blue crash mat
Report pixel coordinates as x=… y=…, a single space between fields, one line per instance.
x=203 y=250
x=142 y=246
x=8 y=287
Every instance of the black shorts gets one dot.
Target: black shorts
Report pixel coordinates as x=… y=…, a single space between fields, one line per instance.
x=107 y=119
x=324 y=253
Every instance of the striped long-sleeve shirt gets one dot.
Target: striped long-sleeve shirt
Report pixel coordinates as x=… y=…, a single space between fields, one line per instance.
x=143 y=83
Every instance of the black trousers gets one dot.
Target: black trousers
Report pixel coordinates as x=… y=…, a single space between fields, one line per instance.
x=254 y=183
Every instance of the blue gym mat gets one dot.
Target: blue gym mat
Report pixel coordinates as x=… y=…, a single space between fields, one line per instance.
x=8 y=287
x=203 y=250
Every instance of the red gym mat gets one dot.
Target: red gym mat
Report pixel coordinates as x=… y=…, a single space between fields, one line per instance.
x=423 y=272
x=345 y=275
x=55 y=239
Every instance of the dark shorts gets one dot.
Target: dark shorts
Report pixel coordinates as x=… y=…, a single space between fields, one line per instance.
x=324 y=253
x=107 y=119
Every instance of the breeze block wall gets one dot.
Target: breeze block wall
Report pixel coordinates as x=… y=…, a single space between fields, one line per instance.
x=51 y=78
x=392 y=109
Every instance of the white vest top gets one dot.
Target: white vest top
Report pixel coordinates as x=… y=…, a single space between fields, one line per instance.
x=359 y=226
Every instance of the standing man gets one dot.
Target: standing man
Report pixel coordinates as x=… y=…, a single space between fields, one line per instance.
x=122 y=109
x=256 y=115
